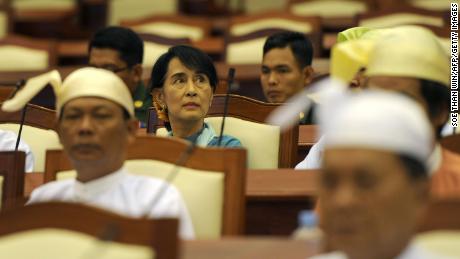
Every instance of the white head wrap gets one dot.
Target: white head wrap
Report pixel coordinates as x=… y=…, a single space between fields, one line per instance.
x=84 y=82
x=377 y=120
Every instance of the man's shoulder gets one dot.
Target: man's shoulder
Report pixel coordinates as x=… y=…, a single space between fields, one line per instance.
x=55 y=190
x=227 y=141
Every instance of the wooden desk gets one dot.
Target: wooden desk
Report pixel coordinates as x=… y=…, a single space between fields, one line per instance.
x=275 y=198
x=281 y=184
x=249 y=248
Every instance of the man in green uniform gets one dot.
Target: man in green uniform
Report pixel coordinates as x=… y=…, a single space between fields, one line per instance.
x=121 y=51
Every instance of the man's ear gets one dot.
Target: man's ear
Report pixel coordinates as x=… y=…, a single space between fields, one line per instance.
x=57 y=126
x=308 y=73
x=137 y=72
x=210 y=99
x=132 y=126
x=442 y=117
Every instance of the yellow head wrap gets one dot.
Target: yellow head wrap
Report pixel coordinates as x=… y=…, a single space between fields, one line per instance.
x=410 y=51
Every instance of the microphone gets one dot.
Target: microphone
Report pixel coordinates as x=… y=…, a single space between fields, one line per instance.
x=20 y=84
x=230 y=79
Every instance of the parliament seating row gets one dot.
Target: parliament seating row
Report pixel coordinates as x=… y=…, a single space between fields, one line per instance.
x=247 y=77
x=240 y=35
x=273 y=198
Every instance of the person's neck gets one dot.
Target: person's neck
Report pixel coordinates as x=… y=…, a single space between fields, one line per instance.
x=182 y=129
x=88 y=172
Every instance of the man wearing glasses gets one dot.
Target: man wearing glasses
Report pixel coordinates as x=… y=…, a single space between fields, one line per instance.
x=121 y=51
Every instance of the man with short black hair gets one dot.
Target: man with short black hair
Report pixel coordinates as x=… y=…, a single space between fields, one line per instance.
x=286 y=68
x=121 y=51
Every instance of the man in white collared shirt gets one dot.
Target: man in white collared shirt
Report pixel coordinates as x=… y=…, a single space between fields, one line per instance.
x=95 y=126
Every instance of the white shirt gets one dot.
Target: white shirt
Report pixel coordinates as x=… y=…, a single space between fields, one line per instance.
x=8 y=143
x=314 y=157
x=411 y=252
x=122 y=193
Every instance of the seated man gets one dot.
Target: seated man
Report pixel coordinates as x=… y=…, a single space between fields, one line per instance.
x=411 y=61
x=374 y=185
x=8 y=143
x=286 y=68
x=95 y=125
x=121 y=51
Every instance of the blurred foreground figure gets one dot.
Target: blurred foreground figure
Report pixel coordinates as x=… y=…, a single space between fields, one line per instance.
x=95 y=125
x=374 y=185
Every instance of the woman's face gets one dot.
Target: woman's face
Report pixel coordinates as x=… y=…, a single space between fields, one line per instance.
x=187 y=94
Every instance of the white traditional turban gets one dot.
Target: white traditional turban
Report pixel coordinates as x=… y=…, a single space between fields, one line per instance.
x=378 y=120
x=84 y=82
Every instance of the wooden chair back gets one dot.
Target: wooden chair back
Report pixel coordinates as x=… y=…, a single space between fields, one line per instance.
x=402 y=15
x=119 y=10
x=328 y=9
x=159 y=234
x=5 y=92
x=36 y=116
x=27 y=54
x=248 y=109
x=155 y=46
x=172 y=26
x=246 y=34
x=6 y=23
x=12 y=170
x=230 y=162
x=38 y=132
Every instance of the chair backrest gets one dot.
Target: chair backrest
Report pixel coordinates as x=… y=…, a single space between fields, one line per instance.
x=5 y=92
x=119 y=10
x=38 y=131
x=329 y=8
x=403 y=15
x=155 y=46
x=451 y=142
x=246 y=35
x=159 y=234
x=21 y=53
x=11 y=178
x=433 y=5
x=42 y=4
x=5 y=18
x=267 y=146
x=172 y=26
x=212 y=181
